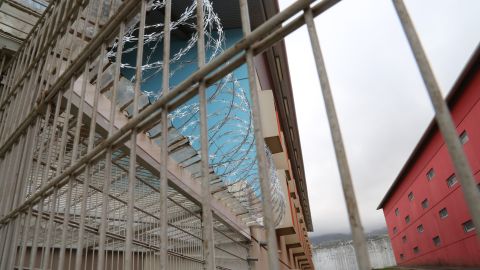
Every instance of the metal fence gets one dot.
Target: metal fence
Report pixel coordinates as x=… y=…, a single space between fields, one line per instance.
x=80 y=187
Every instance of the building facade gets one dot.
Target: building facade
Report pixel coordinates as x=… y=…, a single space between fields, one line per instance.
x=85 y=181
x=427 y=218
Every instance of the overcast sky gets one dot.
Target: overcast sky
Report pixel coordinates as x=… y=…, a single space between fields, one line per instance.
x=381 y=101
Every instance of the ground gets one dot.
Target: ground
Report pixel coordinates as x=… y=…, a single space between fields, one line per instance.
x=426 y=268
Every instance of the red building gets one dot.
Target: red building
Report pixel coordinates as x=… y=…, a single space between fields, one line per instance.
x=427 y=217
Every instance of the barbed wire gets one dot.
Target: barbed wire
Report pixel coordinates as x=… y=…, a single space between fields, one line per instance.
x=232 y=152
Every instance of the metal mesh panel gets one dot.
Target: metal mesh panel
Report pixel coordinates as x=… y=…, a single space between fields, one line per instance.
x=96 y=175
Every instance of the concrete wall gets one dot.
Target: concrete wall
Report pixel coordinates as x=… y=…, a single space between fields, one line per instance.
x=341 y=255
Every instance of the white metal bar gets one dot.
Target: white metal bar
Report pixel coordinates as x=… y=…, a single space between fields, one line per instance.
x=108 y=158
x=207 y=217
x=133 y=142
x=265 y=185
x=164 y=142
x=358 y=236
x=76 y=142
x=442 y=115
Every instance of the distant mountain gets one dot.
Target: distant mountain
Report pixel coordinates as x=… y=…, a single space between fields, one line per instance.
x=335 y=237
x=330 y=238
x=376 y=232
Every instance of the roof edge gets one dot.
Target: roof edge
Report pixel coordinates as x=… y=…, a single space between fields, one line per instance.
x=279 y=50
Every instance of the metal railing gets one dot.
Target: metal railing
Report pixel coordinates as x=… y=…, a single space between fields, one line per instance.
x=77 y=186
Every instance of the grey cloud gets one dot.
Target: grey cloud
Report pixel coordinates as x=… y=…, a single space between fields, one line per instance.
x=379 y=94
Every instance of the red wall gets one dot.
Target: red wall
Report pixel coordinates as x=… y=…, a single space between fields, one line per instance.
x=457 y=247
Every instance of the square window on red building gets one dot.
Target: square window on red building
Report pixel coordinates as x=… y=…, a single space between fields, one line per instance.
x=451 y=181
x=468 y=226
x=402 y=256
x=436 y=241
x=404 y=239
x=463 y=137
x=397 y=212
x=410 y=196
x=416 y=250
x=425 y=204
x=443 y=213
x=430 y=174
x=420 y=228
x=395 y=230
x=407 y=219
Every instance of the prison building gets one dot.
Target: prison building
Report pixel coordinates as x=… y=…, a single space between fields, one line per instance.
x=133 y=137
x=427 y=218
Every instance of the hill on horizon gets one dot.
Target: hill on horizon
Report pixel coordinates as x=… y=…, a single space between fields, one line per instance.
x=333 y=237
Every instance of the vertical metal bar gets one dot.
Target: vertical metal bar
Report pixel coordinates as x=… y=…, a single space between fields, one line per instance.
x=3 y=116
x=25 y=238
x=8 y=106
x=21 y=179
x=45 y=174
x=265 y=184
x=16 y=68
x=93 y=119
x=2 y=89
x=7 y=197
x=3 y=122
x=108 y=158
x=26 y=54
x=12 y=177
x=66 y=121
x=50 y=230
x=52 y=201
x=442 y=116
x=164 y=142
x=81 y=229
x=99 y=14
x=70 y=5
x=42 y=32
x=33 y=47
x=30 y=96
x=7 y=244
x=9 y=80
x=59 y=168
x=133 y=142
x=61 y=157
x=44 y=136
x=3 y=184
x=48 y=31
x=207 y=217
x=33 y=250
x=66 y=220
x=3 y=187
x=22 y=59
x=1 y=69
x=8 y=115
x=20 y=99
x=358 y=236
x=25 y=172
x=11 y=115
x=61 y=10
x=5 y=94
